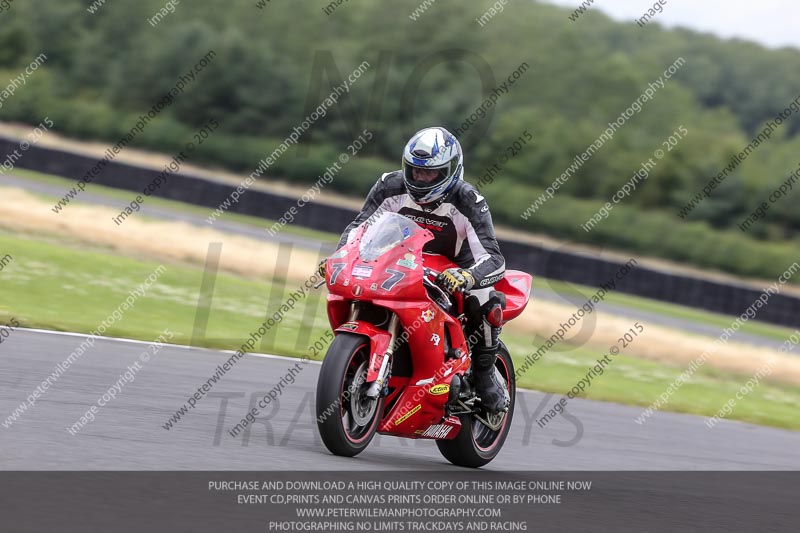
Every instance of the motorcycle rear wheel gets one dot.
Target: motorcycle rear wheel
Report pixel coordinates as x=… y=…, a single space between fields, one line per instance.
x=477 y=444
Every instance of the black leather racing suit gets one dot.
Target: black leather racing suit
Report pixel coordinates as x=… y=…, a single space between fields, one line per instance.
x=460 y=222
x=463 y=231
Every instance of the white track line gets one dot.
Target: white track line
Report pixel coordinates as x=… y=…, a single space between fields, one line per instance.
x=134 y=341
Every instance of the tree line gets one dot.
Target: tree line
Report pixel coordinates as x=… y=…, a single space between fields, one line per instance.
x=274 y=65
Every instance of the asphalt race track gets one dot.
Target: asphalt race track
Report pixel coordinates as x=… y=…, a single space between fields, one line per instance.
x=127 y=433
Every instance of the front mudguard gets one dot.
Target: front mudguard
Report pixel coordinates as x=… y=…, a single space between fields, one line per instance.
x=379 y=341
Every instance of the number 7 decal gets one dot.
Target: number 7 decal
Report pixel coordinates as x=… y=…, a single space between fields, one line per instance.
x=394 y=278
x=336 y=269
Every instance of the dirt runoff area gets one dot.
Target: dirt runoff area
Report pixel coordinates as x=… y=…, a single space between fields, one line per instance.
x=149 y=239
x=254 y=259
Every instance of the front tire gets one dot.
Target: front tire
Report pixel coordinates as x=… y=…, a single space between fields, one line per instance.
x=346 y=418
x=477 y=444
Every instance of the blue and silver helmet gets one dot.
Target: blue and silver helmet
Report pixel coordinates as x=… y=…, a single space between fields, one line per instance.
x=432 y=149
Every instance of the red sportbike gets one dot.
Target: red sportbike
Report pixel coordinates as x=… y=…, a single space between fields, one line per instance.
x=400 y=362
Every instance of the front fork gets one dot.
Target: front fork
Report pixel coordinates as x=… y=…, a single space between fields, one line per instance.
x=376 y=386
x=381 y=348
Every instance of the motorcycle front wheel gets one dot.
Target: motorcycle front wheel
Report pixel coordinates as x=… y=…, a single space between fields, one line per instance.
x=346 y=418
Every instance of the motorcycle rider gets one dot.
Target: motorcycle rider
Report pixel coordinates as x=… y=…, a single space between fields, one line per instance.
x=430 y=189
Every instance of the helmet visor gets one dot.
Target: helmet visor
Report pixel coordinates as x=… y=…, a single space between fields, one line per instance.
x=426 y=177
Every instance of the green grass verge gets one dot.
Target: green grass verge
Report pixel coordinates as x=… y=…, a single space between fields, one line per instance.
x=55 y=285
x=633 y=381
x=49 y=285
x=751 y=327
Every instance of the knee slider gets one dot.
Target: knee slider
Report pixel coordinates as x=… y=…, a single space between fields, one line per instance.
x=493 y=309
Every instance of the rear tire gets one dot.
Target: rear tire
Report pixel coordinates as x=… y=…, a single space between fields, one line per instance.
x=477 y=444
x=346 y=420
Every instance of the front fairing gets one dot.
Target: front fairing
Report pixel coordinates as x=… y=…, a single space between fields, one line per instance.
x=392 y=279
x=366 y=268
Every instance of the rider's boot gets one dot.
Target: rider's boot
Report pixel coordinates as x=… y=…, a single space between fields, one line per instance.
x=494 y=397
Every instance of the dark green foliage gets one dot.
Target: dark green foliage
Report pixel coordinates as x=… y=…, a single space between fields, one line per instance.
x=273 y=66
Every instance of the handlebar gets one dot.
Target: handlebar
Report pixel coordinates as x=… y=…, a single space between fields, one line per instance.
x=425 y=273
x=430 y=272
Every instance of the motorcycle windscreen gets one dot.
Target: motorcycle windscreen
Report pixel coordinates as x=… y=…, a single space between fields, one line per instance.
x=385 y=233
